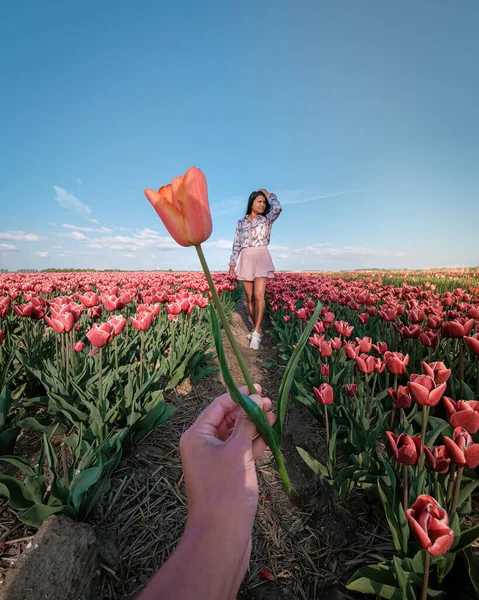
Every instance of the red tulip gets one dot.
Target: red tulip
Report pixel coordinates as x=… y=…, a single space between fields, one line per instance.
x=95 y=312
x=380 y=347
x=461 y=449
x=324 y=370
x=100 y=335
x=406 y=449
x=351 y=390
x=316 y=341
x=351 y=351
x=365 y=344
x=363 y=318
x=424 y=391
x=455 y=329
x=336 y=343
x=401 y=398
x=473 y=343
x=143 y=321
x=396 y=363
x=118 y=323
x=113 y=303
x=430 y=524
x=324 y=394
x=5 y=304
x=343 y=328
x=89 y=299
x=78 y=346
x=437 y=370
x=429 y=338
x=437 y=460
x=183 y=207
x=463 y=413
x=286 y=318
x=326 y=349
x=365 y=364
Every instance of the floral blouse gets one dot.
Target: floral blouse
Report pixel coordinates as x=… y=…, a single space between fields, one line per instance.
x=254 y=233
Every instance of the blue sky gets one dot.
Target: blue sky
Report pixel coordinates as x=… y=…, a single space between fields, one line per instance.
x=361 y=116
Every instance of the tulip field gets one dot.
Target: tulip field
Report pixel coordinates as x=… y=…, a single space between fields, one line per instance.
x=387 y=364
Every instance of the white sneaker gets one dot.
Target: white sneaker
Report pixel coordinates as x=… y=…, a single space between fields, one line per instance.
x=249 y=335
x=255 y=340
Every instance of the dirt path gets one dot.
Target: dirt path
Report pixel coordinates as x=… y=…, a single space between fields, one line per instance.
x=306 y=540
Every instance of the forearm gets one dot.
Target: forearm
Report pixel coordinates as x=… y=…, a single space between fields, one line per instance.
x=208 y=564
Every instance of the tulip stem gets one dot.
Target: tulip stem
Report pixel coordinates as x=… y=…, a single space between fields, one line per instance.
x=405 y=475
x=425 y=585
x=141 y=358
x=425 y=418
x=224 y=321
x=452 y=472
x=116 y=357
x=436 y=484
x=327 y=424
x=100 y=377
x=461 y=366
x=456 y=490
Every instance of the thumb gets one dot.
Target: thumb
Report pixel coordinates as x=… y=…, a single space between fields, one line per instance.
x=244 y=429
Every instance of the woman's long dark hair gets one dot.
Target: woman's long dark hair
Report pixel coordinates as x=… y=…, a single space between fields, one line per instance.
x=252 y=198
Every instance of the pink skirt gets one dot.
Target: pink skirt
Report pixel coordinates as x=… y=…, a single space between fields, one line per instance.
x=255 y=262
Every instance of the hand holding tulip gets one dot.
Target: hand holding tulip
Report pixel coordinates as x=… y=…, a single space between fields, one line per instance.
x=218 y=453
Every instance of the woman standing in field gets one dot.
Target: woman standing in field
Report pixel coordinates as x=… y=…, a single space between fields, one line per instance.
x=256 y=267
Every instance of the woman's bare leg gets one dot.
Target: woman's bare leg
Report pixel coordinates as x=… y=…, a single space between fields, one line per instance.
x=259 y=289
x=248 y=290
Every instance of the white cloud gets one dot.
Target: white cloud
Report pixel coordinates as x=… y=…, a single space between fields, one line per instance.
x=88 y=229
x=128 y=255
x=220 y=244
x=79 y=181
x=275 y=248
x=19 y=236
x=282 y=256
x=346 y=251
x=7 y=247
x=71 y=202
x=56 y=247
x=43 y=254
x=146 y=238
x=94 y=221
x=76 y=235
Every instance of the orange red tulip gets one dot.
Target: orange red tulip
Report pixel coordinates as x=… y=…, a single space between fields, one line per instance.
x=183 y=207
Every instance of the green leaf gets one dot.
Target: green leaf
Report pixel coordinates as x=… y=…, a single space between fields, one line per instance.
x=472 y=567
x=317 y=468
x=392 y=475
x=467 y=491
x=454 y=524
x=391 y=519
x=16 y=492
x=36 y=514
x=33 y=424
x=81 y=484
x=376 y=579
x=468 y=394
x=288 y=376
x=20 y=463
x=468 y=537
x=400 y=576
x=404 y=528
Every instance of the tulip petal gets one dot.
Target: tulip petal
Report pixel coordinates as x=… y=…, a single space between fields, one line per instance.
x=467 y=419
x=192 y=195
x=171 y=217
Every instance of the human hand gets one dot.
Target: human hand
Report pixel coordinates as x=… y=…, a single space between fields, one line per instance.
x=232 y=272
x=265 y=192
x=218 y=453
